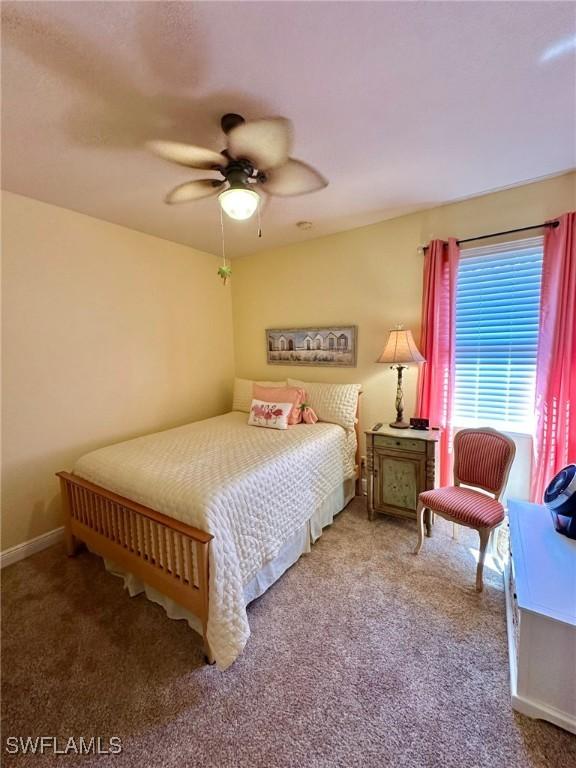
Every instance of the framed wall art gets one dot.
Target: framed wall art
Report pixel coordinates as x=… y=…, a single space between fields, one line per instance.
x=333 y=346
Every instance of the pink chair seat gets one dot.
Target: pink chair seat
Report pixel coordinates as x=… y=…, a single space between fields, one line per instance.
x=464 y=505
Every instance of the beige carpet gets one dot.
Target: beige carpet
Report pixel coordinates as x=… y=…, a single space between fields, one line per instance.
x=362 y=655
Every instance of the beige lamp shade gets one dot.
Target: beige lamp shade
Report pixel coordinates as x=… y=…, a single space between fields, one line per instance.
x=400 y=348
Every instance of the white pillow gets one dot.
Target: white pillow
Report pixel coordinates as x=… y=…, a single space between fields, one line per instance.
x=336 y=403
x=243 y=392
x=270 y=415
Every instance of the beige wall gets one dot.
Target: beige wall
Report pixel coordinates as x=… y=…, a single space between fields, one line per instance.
x=107 y=334
x=371 y=277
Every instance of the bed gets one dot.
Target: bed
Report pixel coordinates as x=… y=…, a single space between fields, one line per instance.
x=205 y=517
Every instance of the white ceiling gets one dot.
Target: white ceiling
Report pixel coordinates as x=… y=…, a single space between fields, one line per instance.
x=401 y=105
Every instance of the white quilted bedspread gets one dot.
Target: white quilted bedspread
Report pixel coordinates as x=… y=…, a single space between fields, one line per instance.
x=251 y=488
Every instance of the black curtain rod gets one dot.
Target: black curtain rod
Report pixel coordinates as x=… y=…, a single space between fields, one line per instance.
x=506 y=232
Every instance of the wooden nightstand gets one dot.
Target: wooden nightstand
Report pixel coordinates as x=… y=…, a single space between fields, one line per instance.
x=400 y=464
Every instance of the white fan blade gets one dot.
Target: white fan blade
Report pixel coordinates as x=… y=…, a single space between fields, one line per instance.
x=194 y=190
x=266 y=143
x=293 y=178
x=188 y=154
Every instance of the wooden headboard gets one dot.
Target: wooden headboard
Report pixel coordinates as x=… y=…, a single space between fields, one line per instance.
x=358 y=457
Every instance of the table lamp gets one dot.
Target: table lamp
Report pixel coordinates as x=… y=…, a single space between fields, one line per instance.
x=400 y=349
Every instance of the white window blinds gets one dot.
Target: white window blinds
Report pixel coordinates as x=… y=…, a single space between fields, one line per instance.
x=497 y=319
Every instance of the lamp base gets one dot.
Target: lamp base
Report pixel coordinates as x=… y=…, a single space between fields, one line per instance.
x=399 y=425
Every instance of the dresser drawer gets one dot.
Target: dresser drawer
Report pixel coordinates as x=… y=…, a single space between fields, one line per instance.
x=400 y=443
x=514 y=604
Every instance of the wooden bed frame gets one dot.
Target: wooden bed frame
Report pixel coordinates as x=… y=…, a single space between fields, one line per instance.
x=164 y=553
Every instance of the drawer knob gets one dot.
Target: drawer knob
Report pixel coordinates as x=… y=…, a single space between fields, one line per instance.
x=398 y=442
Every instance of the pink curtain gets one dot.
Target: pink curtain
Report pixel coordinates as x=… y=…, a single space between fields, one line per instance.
x=436 y=380
x=555 y=439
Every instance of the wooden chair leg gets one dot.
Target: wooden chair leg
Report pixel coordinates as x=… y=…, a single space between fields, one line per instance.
x=484 y=534
x=428 y=521
x=420 y=510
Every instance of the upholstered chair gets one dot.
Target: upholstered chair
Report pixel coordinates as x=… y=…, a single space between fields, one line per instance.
x=482 y=459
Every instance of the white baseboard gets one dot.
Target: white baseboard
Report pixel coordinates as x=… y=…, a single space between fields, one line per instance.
x=27 y=548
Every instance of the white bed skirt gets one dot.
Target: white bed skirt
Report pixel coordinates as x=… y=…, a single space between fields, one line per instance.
x=297 y=545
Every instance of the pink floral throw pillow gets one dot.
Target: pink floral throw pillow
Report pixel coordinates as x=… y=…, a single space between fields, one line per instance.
x=271 y=415
x=294 y=395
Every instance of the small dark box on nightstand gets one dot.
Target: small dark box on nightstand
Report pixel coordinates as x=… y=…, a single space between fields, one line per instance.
x=419 y=423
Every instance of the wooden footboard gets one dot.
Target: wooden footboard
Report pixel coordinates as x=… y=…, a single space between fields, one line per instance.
x=164 y=553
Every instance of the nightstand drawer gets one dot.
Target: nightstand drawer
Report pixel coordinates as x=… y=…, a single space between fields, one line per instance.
x=400 y=443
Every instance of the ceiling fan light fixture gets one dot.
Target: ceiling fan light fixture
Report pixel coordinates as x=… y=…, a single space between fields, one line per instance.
x=239 y=203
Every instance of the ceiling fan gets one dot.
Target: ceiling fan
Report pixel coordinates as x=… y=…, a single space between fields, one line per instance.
x=256 y=158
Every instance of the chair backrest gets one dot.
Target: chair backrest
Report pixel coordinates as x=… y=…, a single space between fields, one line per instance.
x=482 y=458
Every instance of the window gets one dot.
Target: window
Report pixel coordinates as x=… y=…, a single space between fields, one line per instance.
x=497 y=318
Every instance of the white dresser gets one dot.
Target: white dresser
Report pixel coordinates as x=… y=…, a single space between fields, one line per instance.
x=540 y=582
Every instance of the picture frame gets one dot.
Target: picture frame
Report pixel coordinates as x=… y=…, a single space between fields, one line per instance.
x=333 y=346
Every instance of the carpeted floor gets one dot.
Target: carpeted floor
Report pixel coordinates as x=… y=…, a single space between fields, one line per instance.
x=361 y=655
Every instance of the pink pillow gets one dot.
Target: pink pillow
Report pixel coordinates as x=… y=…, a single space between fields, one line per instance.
x=293 y=395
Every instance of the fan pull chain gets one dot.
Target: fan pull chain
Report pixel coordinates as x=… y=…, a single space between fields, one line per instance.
x=224 y=271
x=222 y=233
x=259 y=220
